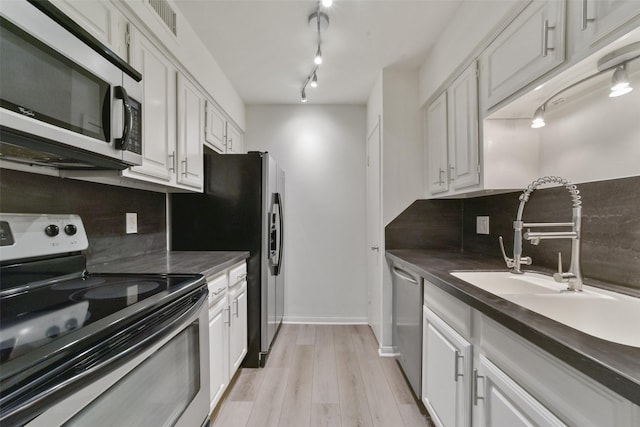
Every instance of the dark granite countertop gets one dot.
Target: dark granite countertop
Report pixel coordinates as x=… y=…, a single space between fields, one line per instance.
x=206 y=263
x=616 y=366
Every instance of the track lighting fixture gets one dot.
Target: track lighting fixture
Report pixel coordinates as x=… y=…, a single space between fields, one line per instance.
x=318 y=21
x=620 y=85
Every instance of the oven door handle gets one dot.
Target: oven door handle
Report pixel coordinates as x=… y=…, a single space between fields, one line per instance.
x=18 y=409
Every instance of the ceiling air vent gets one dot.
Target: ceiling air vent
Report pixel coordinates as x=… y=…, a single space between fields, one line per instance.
x=166 y=13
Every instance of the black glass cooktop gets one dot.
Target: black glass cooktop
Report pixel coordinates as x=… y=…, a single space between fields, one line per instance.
x=68 y=309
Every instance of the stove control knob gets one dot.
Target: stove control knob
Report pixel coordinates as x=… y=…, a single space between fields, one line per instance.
x=52 y=230
x=70 y=229
x=53 y=331
x=71 y=324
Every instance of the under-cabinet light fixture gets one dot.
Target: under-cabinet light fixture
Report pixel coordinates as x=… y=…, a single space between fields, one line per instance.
x=620 y=85
x=318 y=21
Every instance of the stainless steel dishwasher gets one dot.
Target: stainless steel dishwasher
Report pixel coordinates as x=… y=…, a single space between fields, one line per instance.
x=407 y=324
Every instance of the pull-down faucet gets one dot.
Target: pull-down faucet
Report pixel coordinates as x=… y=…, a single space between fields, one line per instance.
x=574 y=276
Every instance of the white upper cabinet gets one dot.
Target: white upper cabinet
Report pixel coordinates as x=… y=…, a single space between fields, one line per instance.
x=190 y=134
x=462 y=95
x=235 y=140
x=437 y=145
x=452 y=136
x=99 y=18
x=593 y=23
x=215 y=131
x=532 y=45
x=221 y=135
x=158 y=112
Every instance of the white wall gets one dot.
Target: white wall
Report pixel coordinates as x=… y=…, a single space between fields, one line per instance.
x=471 y=26
x=322 y=151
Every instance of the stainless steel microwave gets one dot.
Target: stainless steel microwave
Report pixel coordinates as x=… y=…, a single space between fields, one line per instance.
x=66 y=100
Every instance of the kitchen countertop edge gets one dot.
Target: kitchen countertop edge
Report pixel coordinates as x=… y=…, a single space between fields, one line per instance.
x=613 y=365
x=207 y=263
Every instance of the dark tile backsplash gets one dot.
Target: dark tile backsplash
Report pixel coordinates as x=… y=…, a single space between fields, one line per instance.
x=101 y=207
x=610 y=227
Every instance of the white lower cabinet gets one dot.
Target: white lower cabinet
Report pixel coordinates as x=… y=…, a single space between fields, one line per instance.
x=447 y=361
x=479 y=373
x=500 y=401
x=218 y=350
x=227 y=327
x=238 y=325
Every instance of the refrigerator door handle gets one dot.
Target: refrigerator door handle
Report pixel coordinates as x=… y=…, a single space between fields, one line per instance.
x=276 y=241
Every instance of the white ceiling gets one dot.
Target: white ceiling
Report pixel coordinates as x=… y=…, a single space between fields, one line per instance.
x=266 y=47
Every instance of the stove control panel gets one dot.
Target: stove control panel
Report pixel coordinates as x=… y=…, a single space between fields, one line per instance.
x=34 y=235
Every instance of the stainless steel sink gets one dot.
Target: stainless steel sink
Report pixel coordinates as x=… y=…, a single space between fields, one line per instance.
x=607 y=315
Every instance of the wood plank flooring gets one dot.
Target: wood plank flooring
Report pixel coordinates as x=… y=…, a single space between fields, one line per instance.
x=322 y=376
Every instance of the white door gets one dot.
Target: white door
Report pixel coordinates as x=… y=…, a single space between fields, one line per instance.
x=437 y=160
x=218 y=350
x=374 y=232
x=190 y=134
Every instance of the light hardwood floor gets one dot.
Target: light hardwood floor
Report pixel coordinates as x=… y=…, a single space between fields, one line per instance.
x=322 y=375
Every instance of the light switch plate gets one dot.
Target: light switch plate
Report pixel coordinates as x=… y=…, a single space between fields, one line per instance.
x=482 y=225
x=132 y=222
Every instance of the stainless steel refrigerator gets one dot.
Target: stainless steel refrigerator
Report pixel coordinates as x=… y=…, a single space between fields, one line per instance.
x=241 y=209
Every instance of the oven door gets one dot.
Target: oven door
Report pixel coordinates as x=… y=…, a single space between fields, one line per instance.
x=56 y=92
x=167 y=384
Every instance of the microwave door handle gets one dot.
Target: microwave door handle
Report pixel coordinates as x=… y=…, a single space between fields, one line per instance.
x=121 y=93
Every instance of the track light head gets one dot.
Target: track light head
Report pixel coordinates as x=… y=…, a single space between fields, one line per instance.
x=318 y=59
x=303 y=96
x=314 y=80
x=538 y=118
x=327 y=3
x=620 y=82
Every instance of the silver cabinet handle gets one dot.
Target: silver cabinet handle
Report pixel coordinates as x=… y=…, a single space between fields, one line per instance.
x=451 y=171
x=475 y=387
x=375 y=248
x=227 y=314
x=585 y=20
x=235 y=301
x=186 y=166
x=230 y=143
x=404 y=275
x=456 y=373
x=218 y=292
x=242 y=276
x=440 y=180
x=172 y=158
x=545 y=37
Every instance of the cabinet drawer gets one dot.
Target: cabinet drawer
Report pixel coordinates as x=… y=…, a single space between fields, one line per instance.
x=449 y=308
x=217 y=285
x=237 y=274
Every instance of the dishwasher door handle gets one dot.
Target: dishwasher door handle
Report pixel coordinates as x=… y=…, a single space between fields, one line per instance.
x=404 y=275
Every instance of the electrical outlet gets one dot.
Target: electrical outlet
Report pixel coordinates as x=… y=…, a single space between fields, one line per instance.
x=132 y=222
x=482 y=225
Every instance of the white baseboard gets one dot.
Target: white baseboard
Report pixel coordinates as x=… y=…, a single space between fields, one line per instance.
x=325 y=320
x=387 y=351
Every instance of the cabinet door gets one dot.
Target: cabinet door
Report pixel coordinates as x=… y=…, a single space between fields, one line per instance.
x=158 y=111
x=235 y=142
x=238 y=330
x=605 y=16
x=215 y=128
x=462 y=96
x=101 y=19
x=500 y=401
x=190 y=134
x=218 y=350
x=533 y=44
x=437 y=145
x=446 y=373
